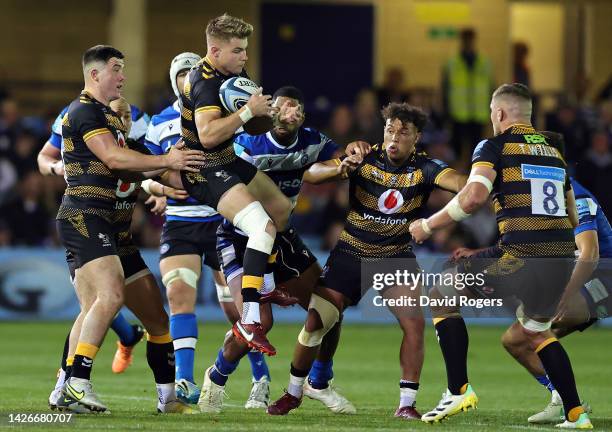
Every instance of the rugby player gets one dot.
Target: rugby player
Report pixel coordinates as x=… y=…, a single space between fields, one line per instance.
x=96 y=156
x=531 y=192
x=226 y=183
x=387 y=190
x=188 y=236
x=286 y=153
x=587 y=298
x=50 y=163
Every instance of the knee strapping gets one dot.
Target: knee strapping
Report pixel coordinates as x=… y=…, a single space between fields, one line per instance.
x=329 y=315
x=253 y=221
x=184 y=274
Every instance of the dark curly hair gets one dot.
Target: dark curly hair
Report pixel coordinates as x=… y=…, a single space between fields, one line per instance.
x=405 y=113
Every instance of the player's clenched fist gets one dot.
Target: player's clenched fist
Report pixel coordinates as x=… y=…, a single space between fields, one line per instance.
x=260 y=104
x=418 y=232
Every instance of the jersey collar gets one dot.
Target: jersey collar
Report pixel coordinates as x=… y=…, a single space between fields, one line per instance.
x=280 y=146
x=176 y=105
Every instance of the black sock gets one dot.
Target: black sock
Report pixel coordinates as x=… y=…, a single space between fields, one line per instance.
x=160 y=357
x=453 y=339
x=298 y=372
x=68 y=373
x=254 y=265
x=81 y=368
x=559 y=370
x=65 y=353
x=408 y=384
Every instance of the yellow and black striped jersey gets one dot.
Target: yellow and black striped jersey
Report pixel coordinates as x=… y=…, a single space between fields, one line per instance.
x=91 y=185
x=528 y=192
x=201 y=93
x=384 y=200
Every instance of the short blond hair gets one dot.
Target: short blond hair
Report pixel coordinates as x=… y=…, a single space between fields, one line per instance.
x=226 y=27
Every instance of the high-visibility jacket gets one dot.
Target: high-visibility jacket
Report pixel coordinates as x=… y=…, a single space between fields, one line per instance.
x=469 y=89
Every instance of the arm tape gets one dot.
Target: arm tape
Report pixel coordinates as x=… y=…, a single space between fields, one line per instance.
x=455 y=211
x=477 y=178
x=146 y=186
x=246 y=114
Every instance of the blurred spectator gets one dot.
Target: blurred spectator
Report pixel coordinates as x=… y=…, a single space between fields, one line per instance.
x=520 y=71
x=467 y=85
x=27 y=218
x=25 y=151
x=567 y=121
x=595 y=170
x=8 y=179
x=605 y=94
x=341 y=126
x=392 y=89
x=9 y=124
x=5 y=234
x=368 y=120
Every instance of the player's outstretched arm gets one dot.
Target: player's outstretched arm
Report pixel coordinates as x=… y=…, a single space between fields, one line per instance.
x=452 y=181
x=50 y=160
x=332 y=170
x=214 y=129
x=105 y=147
x=468 y=200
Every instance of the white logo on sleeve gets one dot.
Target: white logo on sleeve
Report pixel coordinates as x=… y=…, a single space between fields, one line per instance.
x=105 y=239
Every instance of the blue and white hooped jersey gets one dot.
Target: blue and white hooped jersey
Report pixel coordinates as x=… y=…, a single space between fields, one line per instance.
x=592 y=217
x=140 y=122
x=285 y=164
x=163 y=132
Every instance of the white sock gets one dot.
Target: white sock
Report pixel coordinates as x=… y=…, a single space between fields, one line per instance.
x=61 y=377
x=250 y=313
x=556 y=398
x=268 y=285
x=407 y=397
x=165 y=392
x=295 y=386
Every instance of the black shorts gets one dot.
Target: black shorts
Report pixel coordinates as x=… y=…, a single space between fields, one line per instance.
x=133 y=266
x=87 y=238
x=191 y=238
x=293 y=257
x=342 y=272
x=210 y=184
x=537 y=282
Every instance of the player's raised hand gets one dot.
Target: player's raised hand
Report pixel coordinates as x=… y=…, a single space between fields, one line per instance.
x=358 y=147
x=260 y=104
x=418 y=233
x=179 y=158
x=349 y=164
x=158 y=204
x=289 y=114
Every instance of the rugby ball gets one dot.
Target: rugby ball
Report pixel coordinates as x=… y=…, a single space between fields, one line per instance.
x=234 y=94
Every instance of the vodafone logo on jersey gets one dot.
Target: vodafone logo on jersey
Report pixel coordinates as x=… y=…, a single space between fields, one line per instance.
x=120 y=139
x=390 y=201
x=124 y=190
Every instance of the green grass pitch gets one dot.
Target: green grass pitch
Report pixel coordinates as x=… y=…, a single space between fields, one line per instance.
x=366 y=369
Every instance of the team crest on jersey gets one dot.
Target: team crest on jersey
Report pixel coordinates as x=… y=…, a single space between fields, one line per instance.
x=124 y=189
x=390 y=201
x=120 y=139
